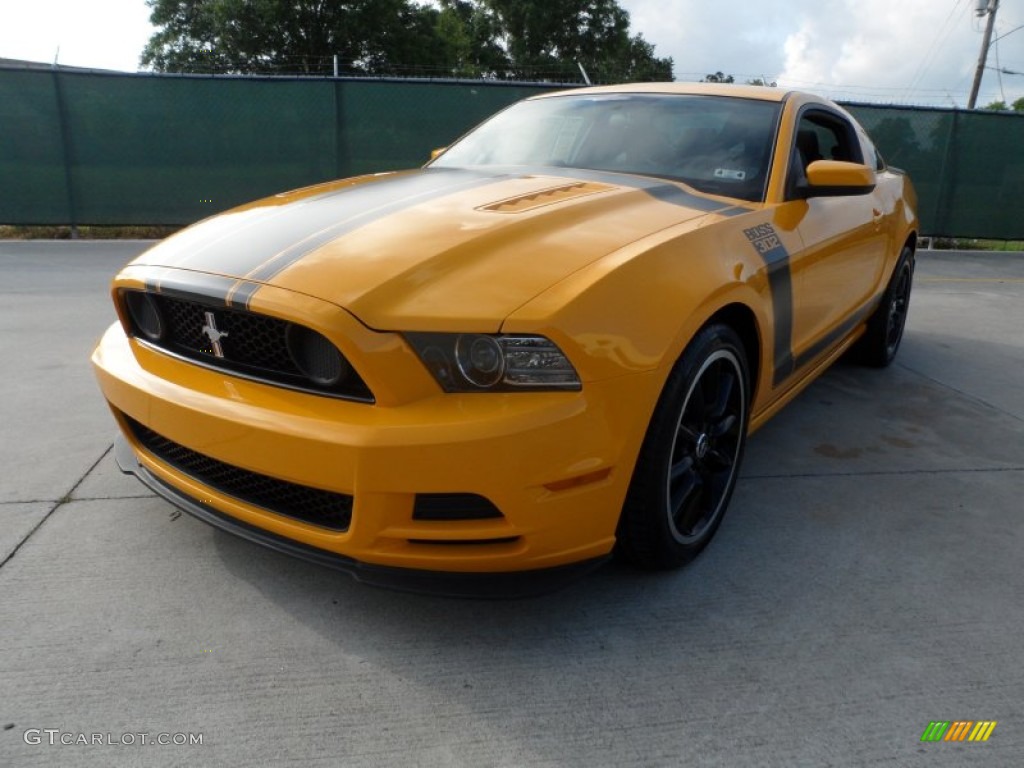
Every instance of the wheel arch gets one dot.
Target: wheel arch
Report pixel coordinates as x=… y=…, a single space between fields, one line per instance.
x=743 y=321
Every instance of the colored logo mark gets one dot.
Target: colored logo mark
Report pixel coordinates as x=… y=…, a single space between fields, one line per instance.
x=958 y=730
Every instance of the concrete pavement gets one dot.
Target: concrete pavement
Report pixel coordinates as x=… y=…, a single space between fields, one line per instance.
x=866 y=581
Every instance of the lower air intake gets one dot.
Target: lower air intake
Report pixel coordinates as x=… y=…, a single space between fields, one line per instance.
x=310 y=505
x=453 y=506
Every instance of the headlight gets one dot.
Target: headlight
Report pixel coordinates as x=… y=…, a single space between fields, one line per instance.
x=477 y=362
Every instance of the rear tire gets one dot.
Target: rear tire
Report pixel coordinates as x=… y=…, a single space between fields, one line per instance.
x=688 y=464
x=880 y=342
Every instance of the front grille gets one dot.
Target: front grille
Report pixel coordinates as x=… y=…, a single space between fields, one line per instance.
x=311 y=505
x=248 y=344
x=251 y=339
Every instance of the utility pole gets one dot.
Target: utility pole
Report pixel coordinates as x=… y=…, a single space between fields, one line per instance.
x=990 y=9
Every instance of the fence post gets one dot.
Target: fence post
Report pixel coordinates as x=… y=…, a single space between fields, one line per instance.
x=947 y=179
x=66 y=151
x=342 y=163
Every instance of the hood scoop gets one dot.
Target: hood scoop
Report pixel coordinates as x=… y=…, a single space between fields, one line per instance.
x=549 y=196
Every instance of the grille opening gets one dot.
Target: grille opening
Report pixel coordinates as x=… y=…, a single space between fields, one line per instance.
x=315 y=356
x=144 y=314
x=310 y=505
x=453 y=506
x=246 y=343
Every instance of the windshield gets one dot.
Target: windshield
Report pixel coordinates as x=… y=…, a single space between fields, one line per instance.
x=716 y=144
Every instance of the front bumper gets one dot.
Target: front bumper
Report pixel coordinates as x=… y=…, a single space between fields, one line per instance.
x=510 y=585
x=556 y=465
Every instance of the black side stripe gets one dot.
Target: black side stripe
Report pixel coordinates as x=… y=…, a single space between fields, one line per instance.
x=781 y=286
x=776 y=258
x=768 y=244
x=835 y=334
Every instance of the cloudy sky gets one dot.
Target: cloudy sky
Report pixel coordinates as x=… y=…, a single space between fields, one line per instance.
x=909 y=52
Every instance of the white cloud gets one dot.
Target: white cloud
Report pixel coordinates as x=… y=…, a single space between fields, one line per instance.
x=913 y=51
x=100 y=34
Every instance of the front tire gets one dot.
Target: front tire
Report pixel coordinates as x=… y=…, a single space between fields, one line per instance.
x=690 y=458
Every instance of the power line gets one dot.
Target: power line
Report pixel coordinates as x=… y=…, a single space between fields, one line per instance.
x=1007 y=34
x=999 y=73
x=937 y=42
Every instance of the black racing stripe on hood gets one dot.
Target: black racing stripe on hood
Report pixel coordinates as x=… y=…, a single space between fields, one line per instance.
x=670 y=193
x=271 y=238
x=659 y=189
x=242 y=294
x=370 y=208
x=190 y=285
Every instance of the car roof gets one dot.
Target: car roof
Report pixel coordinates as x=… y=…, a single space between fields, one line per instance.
x=695 y=89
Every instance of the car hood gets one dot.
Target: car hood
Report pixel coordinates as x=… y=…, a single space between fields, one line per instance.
x=433 y=249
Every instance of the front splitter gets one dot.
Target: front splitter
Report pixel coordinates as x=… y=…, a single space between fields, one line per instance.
x=498 y=585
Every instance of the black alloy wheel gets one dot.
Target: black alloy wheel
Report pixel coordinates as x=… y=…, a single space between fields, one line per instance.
x=880 y=342
x=690 y=458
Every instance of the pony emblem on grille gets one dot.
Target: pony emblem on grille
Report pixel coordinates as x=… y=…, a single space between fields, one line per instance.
x=211 y=332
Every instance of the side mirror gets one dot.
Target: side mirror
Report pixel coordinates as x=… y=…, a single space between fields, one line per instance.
x=436 y=153
x=836 y=178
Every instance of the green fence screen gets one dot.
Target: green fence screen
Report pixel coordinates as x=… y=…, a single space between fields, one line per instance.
x=119 y=149
x=967 y=167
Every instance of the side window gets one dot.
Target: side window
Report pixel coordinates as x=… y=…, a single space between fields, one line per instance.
x=872 y=157
x=822 y=136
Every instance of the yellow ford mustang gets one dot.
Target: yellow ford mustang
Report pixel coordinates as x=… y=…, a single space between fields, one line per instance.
x=547 y=345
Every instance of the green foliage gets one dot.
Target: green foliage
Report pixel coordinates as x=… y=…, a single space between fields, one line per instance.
x=548 y=35
x=521 y=39
x=246 y=36
x=1002 y=106
x=8 y=232
x=896 y=139
x=718 y=77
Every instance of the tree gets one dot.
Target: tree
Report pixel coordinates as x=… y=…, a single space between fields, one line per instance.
x=536 y=39
x=246 y=36
x=469 y=35
x=1018 y=105
x=896 y=139
x=550 y=37
x=997 y=106
x=718 y=77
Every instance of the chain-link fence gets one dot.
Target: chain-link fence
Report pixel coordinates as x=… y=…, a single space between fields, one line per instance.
x=119 y=149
